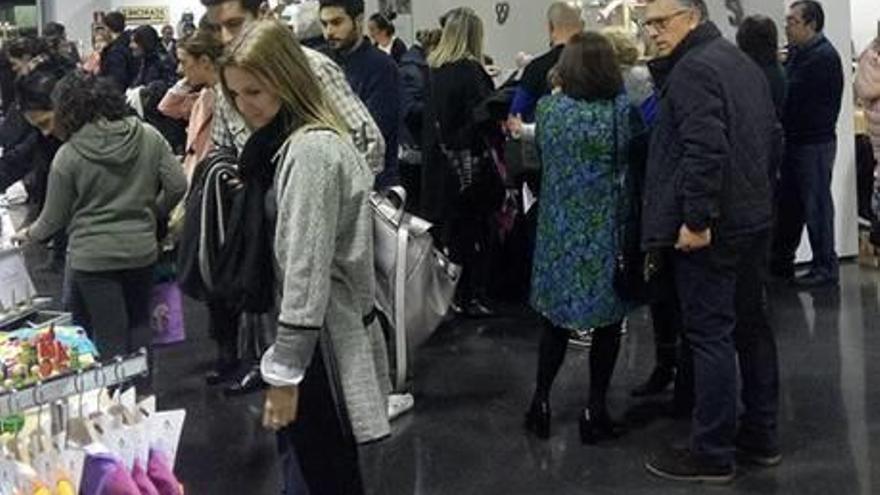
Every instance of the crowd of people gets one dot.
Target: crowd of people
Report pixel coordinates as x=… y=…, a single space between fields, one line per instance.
x=678 y=180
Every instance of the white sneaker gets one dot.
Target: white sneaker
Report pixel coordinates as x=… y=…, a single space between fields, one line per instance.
x=399 y=404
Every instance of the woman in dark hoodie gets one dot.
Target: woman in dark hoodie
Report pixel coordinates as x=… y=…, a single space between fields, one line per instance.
x=109 y=182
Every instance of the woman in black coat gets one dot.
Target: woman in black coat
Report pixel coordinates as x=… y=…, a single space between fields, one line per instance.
x=758 y=37
x=382 y=32
x=414 y=77
x=155 y=65
x=460 y=184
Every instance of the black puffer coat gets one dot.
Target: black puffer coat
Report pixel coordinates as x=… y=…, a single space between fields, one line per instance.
x=715 y=143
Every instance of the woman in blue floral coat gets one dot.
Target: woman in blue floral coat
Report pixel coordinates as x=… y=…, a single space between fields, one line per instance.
x=582 y=134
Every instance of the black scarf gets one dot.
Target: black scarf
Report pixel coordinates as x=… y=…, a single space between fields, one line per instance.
x=246 y=268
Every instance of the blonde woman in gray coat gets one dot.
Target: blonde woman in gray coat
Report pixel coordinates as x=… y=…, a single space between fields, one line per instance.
x=327 y=370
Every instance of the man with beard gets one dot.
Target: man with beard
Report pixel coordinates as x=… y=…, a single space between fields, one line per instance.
x=372 y=74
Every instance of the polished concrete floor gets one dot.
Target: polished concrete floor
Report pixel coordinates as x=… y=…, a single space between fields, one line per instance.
x=474 y=380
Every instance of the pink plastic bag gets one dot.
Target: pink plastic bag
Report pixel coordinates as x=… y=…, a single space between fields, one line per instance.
x=166 y=314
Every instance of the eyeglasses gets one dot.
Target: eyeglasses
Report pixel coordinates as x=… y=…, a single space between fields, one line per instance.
x=661 y=24
x=793 y=21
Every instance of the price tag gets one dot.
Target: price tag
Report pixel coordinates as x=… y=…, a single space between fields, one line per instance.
x=166 y=428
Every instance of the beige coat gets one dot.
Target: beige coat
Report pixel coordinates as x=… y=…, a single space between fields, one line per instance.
x=868 y=91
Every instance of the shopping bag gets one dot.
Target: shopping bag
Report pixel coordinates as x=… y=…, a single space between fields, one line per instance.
x=166 y=314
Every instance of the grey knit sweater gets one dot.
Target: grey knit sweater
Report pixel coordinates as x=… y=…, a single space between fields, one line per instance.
x=324 y=253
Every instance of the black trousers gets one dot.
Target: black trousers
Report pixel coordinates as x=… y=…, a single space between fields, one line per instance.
x=670 y=345
x=471 y=244
x=114 y=308
x=665 y=312
x=320 y=441
x=224 y=328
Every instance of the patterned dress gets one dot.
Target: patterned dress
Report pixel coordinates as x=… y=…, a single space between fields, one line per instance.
x=573 y=276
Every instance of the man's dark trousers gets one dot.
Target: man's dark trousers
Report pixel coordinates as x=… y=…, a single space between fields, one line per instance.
x=722 y=291
x=804 y=198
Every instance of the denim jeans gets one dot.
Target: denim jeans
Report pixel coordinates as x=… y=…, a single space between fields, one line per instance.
x=804 y=198
x=722 y=291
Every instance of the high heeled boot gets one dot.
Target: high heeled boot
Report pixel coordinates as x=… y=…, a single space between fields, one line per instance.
x=596 y=425
x=538 y=419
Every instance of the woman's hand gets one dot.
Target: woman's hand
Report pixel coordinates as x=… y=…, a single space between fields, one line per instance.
x=280 y=410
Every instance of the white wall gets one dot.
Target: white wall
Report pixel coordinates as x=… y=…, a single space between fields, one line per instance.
x=865 y=16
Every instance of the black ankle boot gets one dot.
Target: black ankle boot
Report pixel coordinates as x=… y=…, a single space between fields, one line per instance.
x=538 y=419
x=596 y=426
x=660 y=379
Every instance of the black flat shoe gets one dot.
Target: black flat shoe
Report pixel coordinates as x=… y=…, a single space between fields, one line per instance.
x=538 y=419
x=659 y=381
x=251 y=382
x=598 y=427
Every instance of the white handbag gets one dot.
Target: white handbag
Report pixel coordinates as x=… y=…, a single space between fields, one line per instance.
x=415 y=282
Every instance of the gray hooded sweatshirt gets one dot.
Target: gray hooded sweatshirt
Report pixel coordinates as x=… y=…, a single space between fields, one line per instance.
x=107 y=185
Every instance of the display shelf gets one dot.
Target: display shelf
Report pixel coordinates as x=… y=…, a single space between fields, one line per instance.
x=116 y=372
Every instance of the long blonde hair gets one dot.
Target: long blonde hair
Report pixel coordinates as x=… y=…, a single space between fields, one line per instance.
x=625 y=45
x=270 y=52
x=462 y=39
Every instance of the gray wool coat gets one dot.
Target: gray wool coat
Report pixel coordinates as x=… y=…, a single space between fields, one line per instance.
x=324 y=255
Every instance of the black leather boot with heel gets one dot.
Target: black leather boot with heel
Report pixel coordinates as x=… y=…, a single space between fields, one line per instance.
x=596 y=426
x=538 y=419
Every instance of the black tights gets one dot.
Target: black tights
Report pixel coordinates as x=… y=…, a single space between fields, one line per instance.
x=603 y=356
